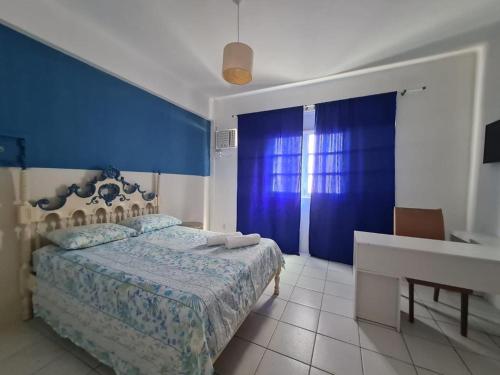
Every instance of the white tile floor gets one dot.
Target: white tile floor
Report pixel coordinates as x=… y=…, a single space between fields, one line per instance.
x=308 y=329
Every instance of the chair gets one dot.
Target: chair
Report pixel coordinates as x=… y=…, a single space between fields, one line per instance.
x=427 y=223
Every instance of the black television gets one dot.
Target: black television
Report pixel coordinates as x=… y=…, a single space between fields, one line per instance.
x=492 y=143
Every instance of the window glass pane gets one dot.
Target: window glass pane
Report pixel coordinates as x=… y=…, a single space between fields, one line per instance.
x=286 y=159
x=328 y=166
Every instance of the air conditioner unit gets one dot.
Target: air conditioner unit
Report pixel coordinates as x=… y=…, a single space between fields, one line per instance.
x=225 y=139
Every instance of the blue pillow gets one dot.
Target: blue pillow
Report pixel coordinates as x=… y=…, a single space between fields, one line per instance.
x=148 y=223
x=89 y=235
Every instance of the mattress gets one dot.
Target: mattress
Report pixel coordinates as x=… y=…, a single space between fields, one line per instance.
x=159 y=303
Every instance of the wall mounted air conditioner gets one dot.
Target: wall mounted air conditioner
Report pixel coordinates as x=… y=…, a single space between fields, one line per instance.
x=225 y=139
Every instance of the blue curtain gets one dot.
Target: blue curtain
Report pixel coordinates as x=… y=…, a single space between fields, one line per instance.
x=269 y=170
x=353 y=176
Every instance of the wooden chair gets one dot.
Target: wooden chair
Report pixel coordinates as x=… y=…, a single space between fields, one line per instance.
x=427 y=223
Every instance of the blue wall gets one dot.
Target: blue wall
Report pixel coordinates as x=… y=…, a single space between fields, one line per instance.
x=75 y=116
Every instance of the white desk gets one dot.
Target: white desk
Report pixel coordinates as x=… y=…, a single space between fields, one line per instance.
x=381 y=261
x=476 y=238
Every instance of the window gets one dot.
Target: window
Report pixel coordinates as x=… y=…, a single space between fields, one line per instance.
x=285 y=159
x=328 y=164
x=308 y=151
x=323 y=161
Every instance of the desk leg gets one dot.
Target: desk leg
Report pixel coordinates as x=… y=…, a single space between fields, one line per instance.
x=464 y=314
x=378 y=298
x=411 y=301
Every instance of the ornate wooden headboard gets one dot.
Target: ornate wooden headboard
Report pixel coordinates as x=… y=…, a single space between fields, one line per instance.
x=107 y=198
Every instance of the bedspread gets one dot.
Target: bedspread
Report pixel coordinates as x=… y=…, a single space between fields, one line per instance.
x=159 y=303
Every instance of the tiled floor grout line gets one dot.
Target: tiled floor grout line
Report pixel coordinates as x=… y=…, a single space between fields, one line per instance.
x=447 y=338
x=272 y=335
x=361 y=358
x=22 y=348
x=409 y=352
x=463 y=360
x=338 y=282
x=406 y=344
x=480 y=329
x=92 y=369
x=315 y=332
x=453 y=346
x=272 y=350
x=455 y=350
x=263 y=355
x=491 y=338
x=317 y=324
x=425 y=339
x=320 y=311
x=279 y=320
x=360 y=351
x=421 y=301
x=334 y=295
x=374 y=351
x=438 y=322
x=57 y=357
x=357 y=325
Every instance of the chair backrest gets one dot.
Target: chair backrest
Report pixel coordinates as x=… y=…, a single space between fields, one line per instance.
x=419 y=222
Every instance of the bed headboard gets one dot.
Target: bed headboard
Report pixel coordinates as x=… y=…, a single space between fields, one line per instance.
x=107 y=198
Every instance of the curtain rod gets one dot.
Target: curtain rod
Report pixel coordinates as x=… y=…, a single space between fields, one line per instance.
x=411 y=91
x=402 y=93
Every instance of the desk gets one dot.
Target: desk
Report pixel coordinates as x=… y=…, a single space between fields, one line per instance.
x=475 y=238
x=381 y=261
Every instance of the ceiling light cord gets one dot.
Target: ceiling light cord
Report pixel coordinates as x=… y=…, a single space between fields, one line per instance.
x=238 y=22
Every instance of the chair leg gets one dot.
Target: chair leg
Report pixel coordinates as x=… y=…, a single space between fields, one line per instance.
x=436 y=294
x=464 y=314
x=411 y=297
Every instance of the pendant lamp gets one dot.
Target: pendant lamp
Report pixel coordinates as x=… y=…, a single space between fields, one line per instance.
x=238 y=59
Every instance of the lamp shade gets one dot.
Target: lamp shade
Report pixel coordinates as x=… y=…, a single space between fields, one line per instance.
x=237 y=63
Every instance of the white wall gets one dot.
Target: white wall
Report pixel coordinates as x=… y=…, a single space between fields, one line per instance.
x=487 y=198
x=181 y=196
x=433 y=132
x=487 y=215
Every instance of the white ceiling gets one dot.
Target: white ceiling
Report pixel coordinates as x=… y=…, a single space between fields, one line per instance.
x=293 y=40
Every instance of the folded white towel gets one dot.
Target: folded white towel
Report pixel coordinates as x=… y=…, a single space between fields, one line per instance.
x=220 y=239
x=241 y=241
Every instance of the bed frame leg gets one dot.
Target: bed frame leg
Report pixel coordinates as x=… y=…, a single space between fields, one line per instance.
x=277 y=283
x=24 y=219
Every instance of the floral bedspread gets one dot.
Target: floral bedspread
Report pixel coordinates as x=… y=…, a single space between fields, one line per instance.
x=159 y=303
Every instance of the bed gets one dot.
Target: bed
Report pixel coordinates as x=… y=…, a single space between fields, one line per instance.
x=159 y=303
